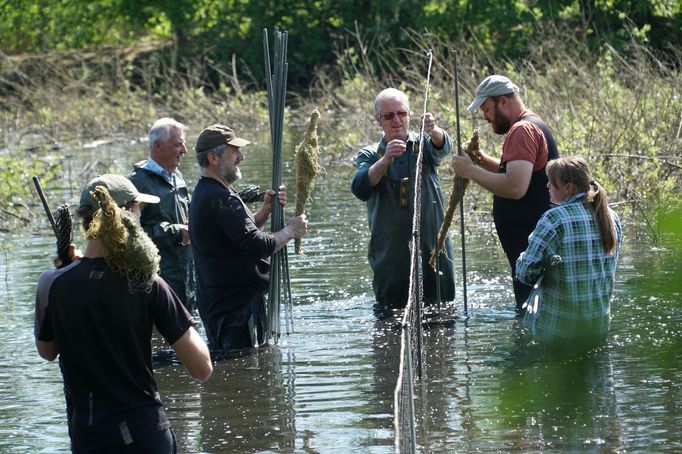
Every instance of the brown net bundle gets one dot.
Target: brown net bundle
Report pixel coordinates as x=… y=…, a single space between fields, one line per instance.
x=64 y=223
x=459 y=186
x=307 y=167
x=127 y=249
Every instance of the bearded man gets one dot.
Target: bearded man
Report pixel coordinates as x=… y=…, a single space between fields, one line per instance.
x=231 y=251
x=517 y=179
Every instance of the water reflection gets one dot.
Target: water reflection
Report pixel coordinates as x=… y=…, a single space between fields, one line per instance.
x=565 y=404
x=249 y=405
x=329 y=386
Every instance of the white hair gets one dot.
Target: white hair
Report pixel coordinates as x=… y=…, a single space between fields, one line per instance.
x=390 y=93
x=160 y=130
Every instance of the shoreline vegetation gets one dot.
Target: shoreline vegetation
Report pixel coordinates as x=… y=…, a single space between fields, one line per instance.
x=622 y=111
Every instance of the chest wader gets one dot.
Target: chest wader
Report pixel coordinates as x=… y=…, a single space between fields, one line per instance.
x=516 y=219
x=391 y=274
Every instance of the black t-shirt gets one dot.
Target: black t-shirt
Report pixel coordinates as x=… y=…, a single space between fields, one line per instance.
x=231 y=254
x=104 y=337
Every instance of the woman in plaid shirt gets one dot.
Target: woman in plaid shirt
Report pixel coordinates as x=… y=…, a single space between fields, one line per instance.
x=570 y=306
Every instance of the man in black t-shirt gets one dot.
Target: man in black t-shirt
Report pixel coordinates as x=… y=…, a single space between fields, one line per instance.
x=231 y=252
x=97 y=315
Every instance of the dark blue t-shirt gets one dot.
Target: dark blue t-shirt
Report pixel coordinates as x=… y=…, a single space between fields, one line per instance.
x=104 y=333
x=231 y=254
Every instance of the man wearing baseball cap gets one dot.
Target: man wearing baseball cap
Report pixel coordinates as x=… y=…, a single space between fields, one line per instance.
x=231 y=251
x=517 y=179
x=97 y=314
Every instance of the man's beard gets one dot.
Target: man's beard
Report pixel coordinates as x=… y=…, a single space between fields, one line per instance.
x=232 y=175
x=501 y=124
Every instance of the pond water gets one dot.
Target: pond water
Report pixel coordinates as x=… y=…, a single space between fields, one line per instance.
x=329 y=386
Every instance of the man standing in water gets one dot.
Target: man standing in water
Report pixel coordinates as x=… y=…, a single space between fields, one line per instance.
x=166 y=222
x=517 y=180
x=98 y=313
x=231 y=252
x=385 y=179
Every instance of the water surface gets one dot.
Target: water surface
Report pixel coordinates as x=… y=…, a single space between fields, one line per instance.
x=329 y=386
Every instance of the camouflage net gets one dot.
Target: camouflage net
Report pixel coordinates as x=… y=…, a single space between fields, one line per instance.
x=307 y=167
x=473 y=149
x=127 y=249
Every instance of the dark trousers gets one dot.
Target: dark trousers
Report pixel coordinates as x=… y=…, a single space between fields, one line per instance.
x=244 y=327
x=160 y=442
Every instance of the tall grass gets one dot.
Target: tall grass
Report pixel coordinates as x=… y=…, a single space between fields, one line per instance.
x=621 y=111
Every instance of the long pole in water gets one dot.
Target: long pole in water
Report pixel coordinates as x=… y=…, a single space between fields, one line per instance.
x=46 y=206
x=279 y=270
x=461 y=192
x=416 y=237
x=437 y=268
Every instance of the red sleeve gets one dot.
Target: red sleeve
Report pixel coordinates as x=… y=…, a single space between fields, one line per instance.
x=525 y=142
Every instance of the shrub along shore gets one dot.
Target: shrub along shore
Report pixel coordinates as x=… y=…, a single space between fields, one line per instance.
x=620 y=111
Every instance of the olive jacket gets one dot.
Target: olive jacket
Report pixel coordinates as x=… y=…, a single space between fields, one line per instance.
x=158 y=221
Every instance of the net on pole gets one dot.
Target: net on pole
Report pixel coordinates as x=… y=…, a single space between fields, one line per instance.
x=411 y=335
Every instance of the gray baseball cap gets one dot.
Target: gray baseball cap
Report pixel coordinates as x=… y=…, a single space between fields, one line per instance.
x=120 y=189
x=494 y=85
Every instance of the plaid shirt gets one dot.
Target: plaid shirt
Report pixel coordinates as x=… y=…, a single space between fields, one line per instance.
x=574 y=295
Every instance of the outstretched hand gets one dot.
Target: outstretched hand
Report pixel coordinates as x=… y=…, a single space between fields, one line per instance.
x=433 y=130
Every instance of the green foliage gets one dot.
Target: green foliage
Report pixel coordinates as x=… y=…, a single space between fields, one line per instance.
x=598 y=76
x=16 y=188
x=319 y=30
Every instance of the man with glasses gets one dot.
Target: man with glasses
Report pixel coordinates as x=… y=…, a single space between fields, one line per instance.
x=385 y=178
x=517 y=179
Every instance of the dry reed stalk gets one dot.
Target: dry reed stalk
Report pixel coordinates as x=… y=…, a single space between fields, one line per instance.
x=471 y=148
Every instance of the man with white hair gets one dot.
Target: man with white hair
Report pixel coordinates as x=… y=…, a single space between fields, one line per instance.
x=385 y=178
x=166 y=223
x=517 y=179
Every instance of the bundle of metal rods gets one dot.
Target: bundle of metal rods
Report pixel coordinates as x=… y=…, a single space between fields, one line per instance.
x=280 y=284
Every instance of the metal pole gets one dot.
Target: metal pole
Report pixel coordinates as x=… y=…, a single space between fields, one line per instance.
x=461 y=191
x=437 y=268
x=46 y=206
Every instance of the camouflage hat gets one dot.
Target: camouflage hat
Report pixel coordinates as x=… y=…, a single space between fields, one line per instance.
x=120 y=188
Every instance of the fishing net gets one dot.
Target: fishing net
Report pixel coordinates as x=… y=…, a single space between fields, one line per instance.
x=307 y=167
x=127 y=249
x=411 y=334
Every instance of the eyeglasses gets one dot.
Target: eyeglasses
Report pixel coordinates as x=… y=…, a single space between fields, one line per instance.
x=391 y=115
